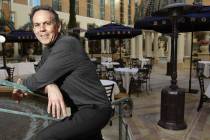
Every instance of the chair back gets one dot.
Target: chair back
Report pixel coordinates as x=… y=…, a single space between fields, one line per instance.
x=110 y=74
x=98 y=70
x=11 y=73
x=135 y=63
x=143 y=73
x=109 y=91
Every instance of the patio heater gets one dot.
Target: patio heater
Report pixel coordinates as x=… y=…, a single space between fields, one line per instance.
x=173 y=97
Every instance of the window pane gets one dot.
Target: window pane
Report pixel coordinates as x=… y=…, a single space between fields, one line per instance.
x=112 y=10
x=77 y=7
x=33 y=3
x=90 y=8
x=56 y=4
x=102 y=9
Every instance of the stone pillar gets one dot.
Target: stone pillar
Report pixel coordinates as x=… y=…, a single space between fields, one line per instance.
x=188 y=46
x=16 y=53
x=148 y=44
x=180 y=48
x=156 y=46
x=107 y=46
x=102 y=46
x=132 y=55
x=139 y=46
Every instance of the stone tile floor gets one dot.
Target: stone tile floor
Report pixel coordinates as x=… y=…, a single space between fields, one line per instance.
x=143 y=123
x=146 y=112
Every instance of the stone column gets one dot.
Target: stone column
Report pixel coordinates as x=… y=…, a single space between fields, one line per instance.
x=180 y=48
x=139 y=46
x=102 y=46
x=156 y=46
x=188 y=44
x=16 y=53
x=132 y=55
x=148 y=44
x=107 y=46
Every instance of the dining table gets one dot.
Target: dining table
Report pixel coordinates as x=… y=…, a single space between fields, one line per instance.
x=23 y=68
x=3 y=74
x=109 y=64
x=126 y=73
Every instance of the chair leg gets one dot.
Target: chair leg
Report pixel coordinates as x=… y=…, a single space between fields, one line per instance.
x=200 y=103
x=110 y=122
x=150 y=85
x=200 y=106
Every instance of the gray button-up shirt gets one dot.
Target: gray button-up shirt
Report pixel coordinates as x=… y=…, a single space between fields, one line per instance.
x=66 y=64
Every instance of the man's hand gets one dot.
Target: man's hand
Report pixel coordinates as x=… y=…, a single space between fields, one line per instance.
x=18 y=94
x=56 y=105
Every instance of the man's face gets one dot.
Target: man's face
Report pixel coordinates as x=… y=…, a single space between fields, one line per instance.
x=45 y=28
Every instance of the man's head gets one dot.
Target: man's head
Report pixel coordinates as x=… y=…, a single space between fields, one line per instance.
x=46 y=24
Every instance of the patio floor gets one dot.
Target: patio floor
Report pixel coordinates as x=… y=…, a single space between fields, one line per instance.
x=143 y=123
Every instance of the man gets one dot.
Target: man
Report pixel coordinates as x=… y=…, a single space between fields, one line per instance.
x=66 y=74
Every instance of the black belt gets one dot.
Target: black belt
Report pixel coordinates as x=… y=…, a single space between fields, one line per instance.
x=94 y=106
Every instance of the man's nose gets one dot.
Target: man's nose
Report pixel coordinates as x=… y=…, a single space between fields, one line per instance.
x=42 y=27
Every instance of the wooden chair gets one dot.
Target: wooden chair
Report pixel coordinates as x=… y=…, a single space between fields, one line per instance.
x=135 y=63
x=110 y=74
x=109 y=92
x=137 y=81
x=203 y=97
x=148 y=74
x=11 y=73
x=98 y=70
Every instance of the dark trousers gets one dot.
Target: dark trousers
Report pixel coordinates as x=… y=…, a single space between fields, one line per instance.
x=84 y=124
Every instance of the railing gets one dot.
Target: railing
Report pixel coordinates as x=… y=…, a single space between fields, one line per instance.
x=119 y=103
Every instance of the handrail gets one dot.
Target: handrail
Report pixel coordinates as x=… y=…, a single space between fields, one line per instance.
x=31 y=115
x=119 y=102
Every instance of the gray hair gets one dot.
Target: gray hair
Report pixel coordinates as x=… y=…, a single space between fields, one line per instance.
x=47 y=8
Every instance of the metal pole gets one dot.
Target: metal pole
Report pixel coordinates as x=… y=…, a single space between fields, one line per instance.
x=191 y=51
x=174 y=54
x=120 y=121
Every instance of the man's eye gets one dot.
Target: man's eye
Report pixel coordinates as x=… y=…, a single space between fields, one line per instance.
x=48 y=23
x=36 y=25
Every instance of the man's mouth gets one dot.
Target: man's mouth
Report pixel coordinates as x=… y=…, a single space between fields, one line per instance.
x=44 y=36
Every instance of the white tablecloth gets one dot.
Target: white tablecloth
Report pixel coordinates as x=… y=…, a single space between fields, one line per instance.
x=93 y=59
x=144 y=61
x=23 y=68
x=207 y=91
x=116 y=89
x=106 y=59
x=109 y=64
x=3 y=74
x=126 y=74
x=206 y=71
